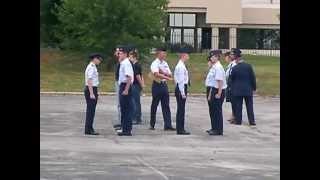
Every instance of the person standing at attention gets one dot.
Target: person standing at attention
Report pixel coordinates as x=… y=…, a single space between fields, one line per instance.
x=91 y=92
x=181 y=77
x=216 y=85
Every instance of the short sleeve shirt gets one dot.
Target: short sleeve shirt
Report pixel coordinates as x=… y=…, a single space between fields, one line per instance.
x=137 y=70
x=91 y=73
x=158 y=65
x=125 y=70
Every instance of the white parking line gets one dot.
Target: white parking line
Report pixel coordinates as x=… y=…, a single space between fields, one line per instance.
x=154 y=169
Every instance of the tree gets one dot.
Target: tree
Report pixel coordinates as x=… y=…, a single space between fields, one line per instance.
x=99 y=25
x=48 y=21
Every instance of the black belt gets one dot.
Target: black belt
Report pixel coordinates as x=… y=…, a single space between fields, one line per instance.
x=94 y=87
x=161 y=82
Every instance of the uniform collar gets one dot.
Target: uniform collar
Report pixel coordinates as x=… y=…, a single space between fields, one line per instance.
x=160 y=60
x=126 y=59
x=91 y=63
x=181 y=62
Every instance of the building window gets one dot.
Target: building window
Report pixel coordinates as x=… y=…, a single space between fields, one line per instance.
x=189 y=20
x=182 y=20
x=258 y=38
x=223 y=38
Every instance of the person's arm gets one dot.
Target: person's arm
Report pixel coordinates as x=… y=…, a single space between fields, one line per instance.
x=140 y=80
x=219 y=78
x=179 y=80
x=220 y=83
x=128 y=83
x=253 y=79
x=139 y=76
x=90 y=83
x=91 y=89
x=161 y=75
x=129 y=73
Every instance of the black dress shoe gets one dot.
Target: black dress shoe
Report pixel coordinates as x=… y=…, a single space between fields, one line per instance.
x=170 y=129
x=91 y=133
x=124 y=134
x=252 y=124
x=183 y=133
x=235 y=122
x=209 y=130
x=212 y=133
x=151 y=128
x=116 y=126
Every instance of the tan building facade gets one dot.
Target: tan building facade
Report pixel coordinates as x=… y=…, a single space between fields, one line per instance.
x=220 y=20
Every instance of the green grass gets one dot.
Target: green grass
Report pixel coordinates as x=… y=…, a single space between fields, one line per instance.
x=64 y=71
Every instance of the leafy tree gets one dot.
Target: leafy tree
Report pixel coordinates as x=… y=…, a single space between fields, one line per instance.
x=48 y=21
x=99 y=25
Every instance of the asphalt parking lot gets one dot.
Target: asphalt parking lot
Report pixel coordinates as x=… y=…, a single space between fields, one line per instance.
x=243 y=153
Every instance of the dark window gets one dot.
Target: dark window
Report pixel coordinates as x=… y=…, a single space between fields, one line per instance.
x=258 y=38
x=223 y=38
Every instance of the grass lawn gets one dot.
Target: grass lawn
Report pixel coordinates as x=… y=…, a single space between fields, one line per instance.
x=64 y=71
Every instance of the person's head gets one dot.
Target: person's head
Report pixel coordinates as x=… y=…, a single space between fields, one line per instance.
x=235 y=54
x=227 y=57
x=184 y=54
x=123 y=53
x=95 y=58
x=161 y=53
x=116 y=52
x=214 y=56
x=133 y=55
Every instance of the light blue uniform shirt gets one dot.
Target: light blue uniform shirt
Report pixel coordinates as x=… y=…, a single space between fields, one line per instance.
x=215 y=73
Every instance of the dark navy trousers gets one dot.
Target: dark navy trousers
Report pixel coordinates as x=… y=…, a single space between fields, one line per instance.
x=181 y=103
x=126 y=109
x=160 y=93
x=91 y=108
x=238 y=101
x=215 y=109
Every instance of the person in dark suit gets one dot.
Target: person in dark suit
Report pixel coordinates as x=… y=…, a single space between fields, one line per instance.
x=243 y=84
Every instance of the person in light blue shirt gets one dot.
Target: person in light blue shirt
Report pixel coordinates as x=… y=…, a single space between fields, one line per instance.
x=216 y=85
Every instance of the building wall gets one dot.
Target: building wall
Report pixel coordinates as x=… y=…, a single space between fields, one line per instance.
x=260 y=16
x=217 y=11
x=231 y=12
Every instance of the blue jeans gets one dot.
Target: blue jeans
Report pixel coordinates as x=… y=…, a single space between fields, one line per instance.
x=136 y=91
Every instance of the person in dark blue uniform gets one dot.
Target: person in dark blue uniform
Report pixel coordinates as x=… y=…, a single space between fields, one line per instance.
x=91 y=91
x=243 y=84
x=160 y=72
x=216 y=85
x=181 y=77
x=125 y=82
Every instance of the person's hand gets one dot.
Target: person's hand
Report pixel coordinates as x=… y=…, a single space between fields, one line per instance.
x=92 y=96
x=170 y=79
x=183 y=96
x=218 y=96
x=125 y=92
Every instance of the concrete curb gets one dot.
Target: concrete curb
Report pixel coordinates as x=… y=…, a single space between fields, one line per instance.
x=145 y=94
